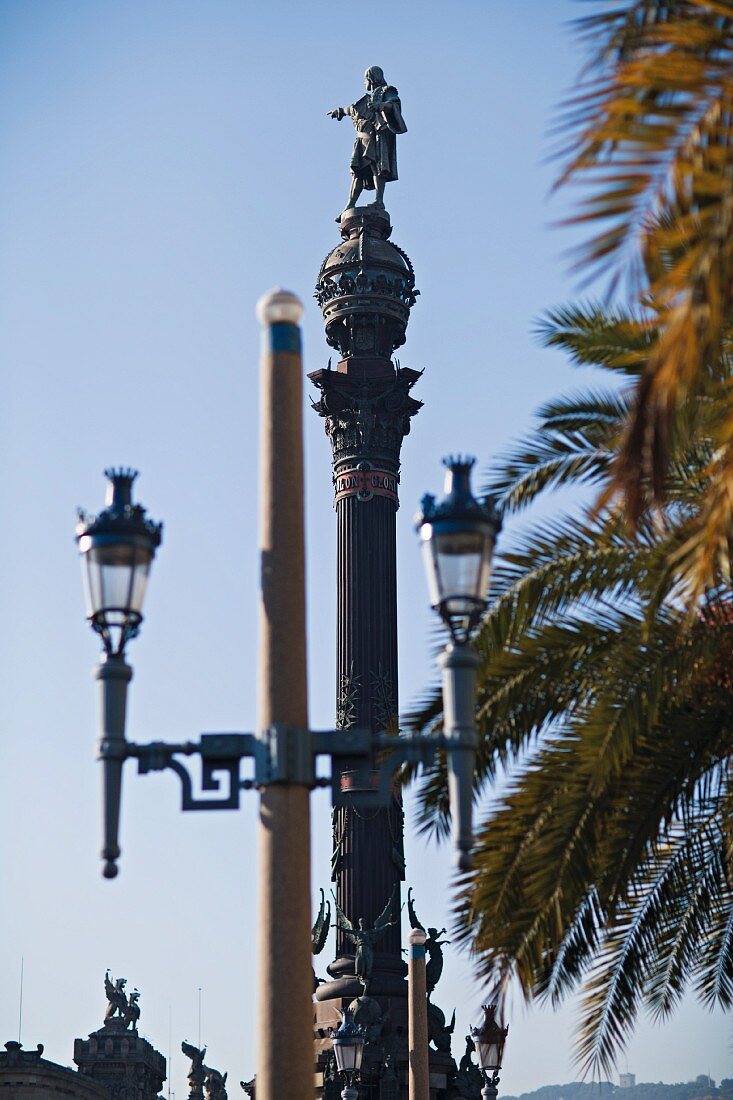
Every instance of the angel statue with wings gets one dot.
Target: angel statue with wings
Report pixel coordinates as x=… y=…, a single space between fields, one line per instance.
x=433 y=946
x=364 y=938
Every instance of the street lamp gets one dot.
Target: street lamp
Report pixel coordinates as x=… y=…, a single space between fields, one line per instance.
x=117 y=548
x=458 y=535
x=348 y=1047
x=489 y=1039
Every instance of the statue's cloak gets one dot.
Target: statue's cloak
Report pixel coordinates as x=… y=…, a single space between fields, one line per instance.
x=377 y=121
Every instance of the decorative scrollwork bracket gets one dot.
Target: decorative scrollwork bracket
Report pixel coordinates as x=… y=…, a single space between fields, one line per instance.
x=220 y=753
x=281 y=754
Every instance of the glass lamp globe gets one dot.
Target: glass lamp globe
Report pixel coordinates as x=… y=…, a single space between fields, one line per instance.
x=458 y=535
x=489 y=1039
x=348 y=1044
x=117 y=548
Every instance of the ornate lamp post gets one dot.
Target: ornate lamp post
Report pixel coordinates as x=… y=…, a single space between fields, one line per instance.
x=348 y=1046
x=489 y=1039
x=117 y=548
x=458 y=535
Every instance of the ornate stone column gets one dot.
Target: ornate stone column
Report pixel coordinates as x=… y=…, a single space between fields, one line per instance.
x=366 y=288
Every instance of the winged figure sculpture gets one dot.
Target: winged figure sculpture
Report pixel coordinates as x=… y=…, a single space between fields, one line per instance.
x=197 y=1071
x=320 y=930
x=433 y=946
x=365 y=938
x=197 y=1056
x=117 y=1003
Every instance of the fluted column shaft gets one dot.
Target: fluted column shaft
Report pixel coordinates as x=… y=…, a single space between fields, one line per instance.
x=368 y=861
x=366 y=420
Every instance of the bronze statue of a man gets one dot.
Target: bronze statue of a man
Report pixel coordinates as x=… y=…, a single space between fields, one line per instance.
x=377 y=118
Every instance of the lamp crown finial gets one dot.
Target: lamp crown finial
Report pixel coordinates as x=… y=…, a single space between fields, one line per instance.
x=459 y=462
x=119 y=490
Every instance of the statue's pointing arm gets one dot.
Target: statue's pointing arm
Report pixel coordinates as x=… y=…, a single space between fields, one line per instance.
x=339 y=112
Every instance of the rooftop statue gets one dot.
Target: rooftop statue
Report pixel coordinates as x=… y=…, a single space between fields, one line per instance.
x=119 y=1008
x=377 y=118
x=197 y=1071
x=215 y=1084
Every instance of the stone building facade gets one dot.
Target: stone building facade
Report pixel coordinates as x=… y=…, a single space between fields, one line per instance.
x=26 y=1075
x=113 y=1063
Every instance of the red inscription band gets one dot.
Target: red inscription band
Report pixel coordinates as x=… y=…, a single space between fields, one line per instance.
x=365 y=483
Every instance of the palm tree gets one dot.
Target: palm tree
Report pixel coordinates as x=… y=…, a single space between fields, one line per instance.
x=607 y=863
x=651 y=142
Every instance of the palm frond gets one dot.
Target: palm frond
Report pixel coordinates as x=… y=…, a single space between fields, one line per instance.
x=618 y=984
x=651 y=140
x=606 y=697
x=593 y=335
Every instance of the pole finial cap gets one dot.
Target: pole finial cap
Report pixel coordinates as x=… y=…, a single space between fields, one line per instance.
x=416 y=937
x=279 y=305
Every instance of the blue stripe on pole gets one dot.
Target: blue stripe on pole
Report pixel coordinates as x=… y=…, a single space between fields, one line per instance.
x=417 y=950
x=282 y=336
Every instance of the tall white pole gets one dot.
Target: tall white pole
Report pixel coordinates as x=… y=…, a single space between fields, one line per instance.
x=285 y=984
x=418 y=1065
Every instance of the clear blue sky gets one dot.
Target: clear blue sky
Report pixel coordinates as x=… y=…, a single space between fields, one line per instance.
x=163 y=164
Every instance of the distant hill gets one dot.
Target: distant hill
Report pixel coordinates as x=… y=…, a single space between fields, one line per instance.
x=604 y=1090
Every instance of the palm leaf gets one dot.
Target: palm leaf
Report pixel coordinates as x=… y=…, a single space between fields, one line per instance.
x=650 y=136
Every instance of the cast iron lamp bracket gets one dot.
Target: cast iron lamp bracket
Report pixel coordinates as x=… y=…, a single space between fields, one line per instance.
x=281 y=754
